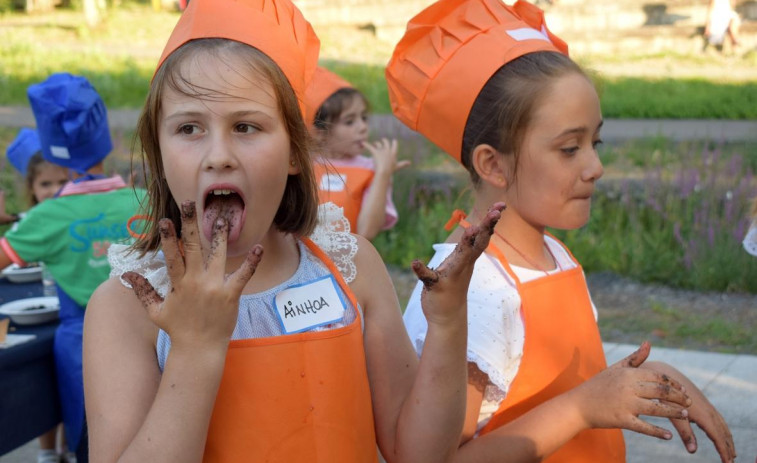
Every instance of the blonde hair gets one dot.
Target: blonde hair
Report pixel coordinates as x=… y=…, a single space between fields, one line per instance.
x=297 y=212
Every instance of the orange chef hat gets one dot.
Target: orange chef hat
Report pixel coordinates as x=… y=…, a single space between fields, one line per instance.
x=275 y=27
x=449 y=52
x=323 y=84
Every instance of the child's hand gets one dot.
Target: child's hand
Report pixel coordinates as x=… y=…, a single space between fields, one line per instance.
x=445 y=288
x=201 y=308
x=384 y=153
x=702 y=413
x=616 y=396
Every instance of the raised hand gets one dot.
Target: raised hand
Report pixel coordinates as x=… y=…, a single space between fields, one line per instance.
x=618 y=395
x=384 y=153
x=201 y=307
x=445 y=289
x=702 y=413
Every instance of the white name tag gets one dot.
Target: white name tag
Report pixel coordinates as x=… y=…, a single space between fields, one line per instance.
x=303 y=307
x=332 y=182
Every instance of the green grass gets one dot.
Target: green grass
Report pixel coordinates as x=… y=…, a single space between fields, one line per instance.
x=678 y=99
x=120 y=55
x=669 y=326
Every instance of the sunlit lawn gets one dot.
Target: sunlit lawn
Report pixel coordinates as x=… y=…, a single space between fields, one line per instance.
x=119 y=57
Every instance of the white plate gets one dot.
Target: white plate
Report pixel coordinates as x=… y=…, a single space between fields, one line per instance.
x=32 y=311
x=17 y=274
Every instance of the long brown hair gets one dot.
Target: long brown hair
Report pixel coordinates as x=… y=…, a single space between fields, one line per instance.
x=504 y=107
x=297 y=213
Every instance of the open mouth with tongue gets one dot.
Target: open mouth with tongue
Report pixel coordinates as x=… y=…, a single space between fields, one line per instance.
x=227 y=204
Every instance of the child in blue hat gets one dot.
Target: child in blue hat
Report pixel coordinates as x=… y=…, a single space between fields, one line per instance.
x=43 y=179
x=71 y=233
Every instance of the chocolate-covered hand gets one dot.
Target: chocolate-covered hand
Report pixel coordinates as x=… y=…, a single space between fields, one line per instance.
x=201 y=307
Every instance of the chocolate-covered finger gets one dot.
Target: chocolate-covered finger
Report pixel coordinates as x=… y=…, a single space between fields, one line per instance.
x=663 y=409
x=170 y=245
x=486 y=226
x=683 y=427
x=428 y=276
x=664 y=390
x=642 y=427
x=144 y=291
x=722 y=438
x=190 y=235
x=242 y=275
x=475 y=239
x=635 y=359
x=217 y=255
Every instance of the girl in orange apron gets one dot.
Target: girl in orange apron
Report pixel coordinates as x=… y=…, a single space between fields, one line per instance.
x=226 y=333
x=361 y=185
x=495 y=89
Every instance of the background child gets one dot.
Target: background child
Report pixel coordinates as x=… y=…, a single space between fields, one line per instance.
x=71 y=233
x=298 y=362
x=503 y=98
x=43 y=180
x=362 y=186
x=722 y=20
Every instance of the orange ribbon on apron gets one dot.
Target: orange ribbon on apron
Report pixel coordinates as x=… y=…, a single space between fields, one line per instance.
x=295 y=398
x=562 y=349
x=349 y=190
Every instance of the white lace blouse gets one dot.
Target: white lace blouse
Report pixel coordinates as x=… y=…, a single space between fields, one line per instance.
x=257 y=314
x=495 y=326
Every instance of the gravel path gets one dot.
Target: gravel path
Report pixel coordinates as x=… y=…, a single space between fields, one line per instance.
x=631 y=312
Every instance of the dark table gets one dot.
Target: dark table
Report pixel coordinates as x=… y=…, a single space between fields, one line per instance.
x=29 y=404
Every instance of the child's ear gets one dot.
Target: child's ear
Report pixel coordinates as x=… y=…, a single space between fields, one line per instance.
x=491 y=165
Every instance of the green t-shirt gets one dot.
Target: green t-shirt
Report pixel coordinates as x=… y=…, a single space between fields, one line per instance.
x=71 y=236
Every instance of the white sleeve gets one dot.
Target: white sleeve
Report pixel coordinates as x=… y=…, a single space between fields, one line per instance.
x=151 y=266
x=495 y=326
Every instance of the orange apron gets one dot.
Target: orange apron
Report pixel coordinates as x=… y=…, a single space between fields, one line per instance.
x=343 y=186
x=294 y=398
x=562 y=349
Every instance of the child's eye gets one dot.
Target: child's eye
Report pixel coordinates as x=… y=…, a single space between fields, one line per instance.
x=570 y=151
x=349 y=121
x=187 y=129
x=596 y=143
x=245 y=128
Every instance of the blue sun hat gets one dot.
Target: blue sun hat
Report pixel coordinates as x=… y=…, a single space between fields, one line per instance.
x=22 y=148
x=72 y=121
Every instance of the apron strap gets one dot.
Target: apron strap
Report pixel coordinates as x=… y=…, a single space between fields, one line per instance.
x=458 y=218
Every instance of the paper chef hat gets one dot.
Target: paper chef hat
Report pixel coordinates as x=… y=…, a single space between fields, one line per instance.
x=72 y=121
x=275 y=27
x=323 y=84
x=449 y=52
x=22 y=148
